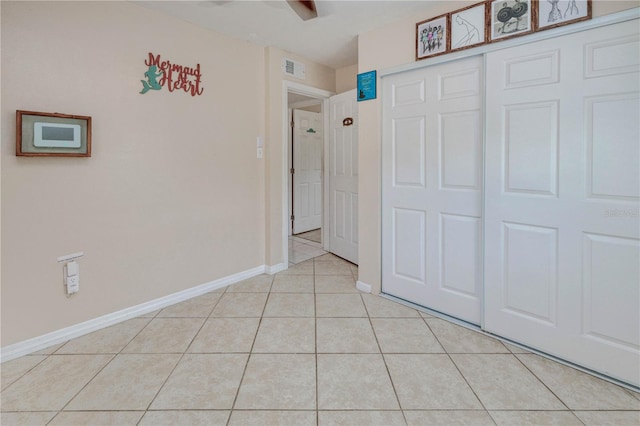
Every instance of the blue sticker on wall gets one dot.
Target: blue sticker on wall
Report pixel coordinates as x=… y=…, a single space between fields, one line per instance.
x=367 y=86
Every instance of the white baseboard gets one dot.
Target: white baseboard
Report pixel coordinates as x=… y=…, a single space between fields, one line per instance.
x=59 y=336
x=363 y=287
x=274 y=269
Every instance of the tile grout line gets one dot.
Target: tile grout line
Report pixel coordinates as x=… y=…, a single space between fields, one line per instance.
x=179 y=360
x=114 y=355
x=460 y=372
x=384 y=361
x=542 y=382
x=164 y=382
x=246 y=365
x=315 y=340
x=46 y=356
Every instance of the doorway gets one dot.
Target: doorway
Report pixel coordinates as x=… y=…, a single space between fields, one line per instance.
x=339 y=201
x=305 y=184
x=306 y=173
x=306 y=146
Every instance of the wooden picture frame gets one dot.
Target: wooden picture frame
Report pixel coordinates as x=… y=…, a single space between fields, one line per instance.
x=432 y=37
x=555 y=13
x=43 y=134
x=509 y=18
x=468 y=27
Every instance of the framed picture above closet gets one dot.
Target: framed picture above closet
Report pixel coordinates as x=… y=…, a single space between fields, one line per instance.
x=468 y=27
x=509 y=18
x=555 y=13
x=432 y=37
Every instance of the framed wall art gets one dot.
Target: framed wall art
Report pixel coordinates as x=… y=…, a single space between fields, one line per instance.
x=432 y=37
x=554 y=13
x=509 y=18
x=43 y=134
x=468 y=27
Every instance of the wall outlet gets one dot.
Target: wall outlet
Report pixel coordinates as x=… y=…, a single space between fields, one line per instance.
x=73 y=284
x=72 y=277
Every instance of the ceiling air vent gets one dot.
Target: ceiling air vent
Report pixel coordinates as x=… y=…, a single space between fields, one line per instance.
x=293 y=68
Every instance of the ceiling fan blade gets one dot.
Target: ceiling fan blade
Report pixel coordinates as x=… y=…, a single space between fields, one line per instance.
x=306 y=9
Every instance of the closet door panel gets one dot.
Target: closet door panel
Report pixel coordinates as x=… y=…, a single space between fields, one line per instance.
x=562 y=191
x=431 y=187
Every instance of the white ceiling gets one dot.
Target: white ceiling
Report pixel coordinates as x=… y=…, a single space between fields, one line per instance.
x=329 y=39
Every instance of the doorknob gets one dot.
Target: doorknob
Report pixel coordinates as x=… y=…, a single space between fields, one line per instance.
x=347 y=121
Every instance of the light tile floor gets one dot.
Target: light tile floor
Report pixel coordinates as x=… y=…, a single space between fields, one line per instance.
x=315 y=235
x=301 y=250
x=303 y=347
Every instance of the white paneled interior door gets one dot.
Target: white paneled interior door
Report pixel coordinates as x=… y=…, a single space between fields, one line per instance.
x=432 y=187
x=343 y=183
x=562 y=255
x=307 y=165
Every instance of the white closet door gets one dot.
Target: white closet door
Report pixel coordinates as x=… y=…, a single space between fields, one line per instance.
x=431 y=187
x=562 y=259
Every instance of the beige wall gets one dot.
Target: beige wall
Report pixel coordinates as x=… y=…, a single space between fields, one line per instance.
x=317 y=76
x=346 y=78
x=173 y=195
x=384 y=48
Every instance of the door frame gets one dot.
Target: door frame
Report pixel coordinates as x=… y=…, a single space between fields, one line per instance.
x=323 y=96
